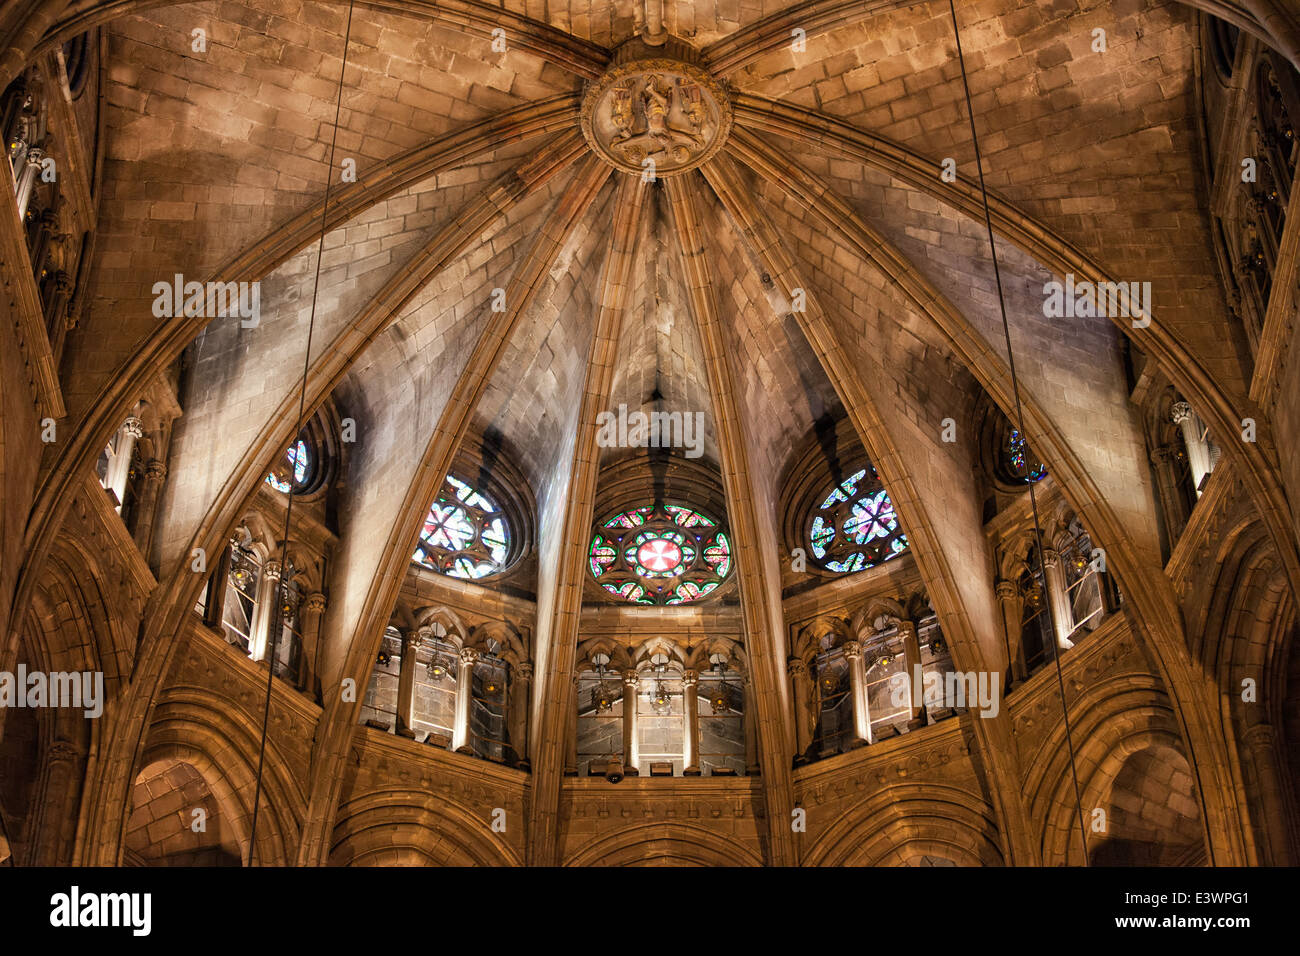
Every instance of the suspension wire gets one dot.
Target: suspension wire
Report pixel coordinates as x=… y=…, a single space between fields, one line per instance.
x=1020 y=424
x=281 y=591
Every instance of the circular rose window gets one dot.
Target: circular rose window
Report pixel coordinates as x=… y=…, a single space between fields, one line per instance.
x=665 y=555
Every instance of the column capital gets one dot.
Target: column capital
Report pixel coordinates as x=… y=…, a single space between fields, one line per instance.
x=1051 y=558
x=62 y=282
x=155 y=470
x=1161 y=455
x=133 y=427
x=524 y=671
x=468 y=655
x=631 y=678
x=35 y=156
x=795 y=667
x=315 y=603
x=690 y=678
x=272 y=570
x=1007 y=590
x=1180 y=412
x=852 y=650
x=906 y=628
x=413 y=638
x=1260 y=736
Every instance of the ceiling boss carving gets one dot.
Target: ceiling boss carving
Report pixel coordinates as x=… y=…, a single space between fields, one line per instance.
x=655 y=114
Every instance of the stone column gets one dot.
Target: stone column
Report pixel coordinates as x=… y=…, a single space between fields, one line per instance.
x=58 y=293
x=266 y=614
x=1062 y=614
x=1260 y=740
x=631 y=745
x=916 y=718
x=800 y=693
x=571 y=751
x=312 y=609
x=47 y=228
x=752 y=766
x=521 y=696
x=146 y=509
x=120 y=467
x=406 y=684
x=691 y=726
x=1198 y=452
x=1172 y=506
x=1012 y=604
x=27 y=180
x=464 y=695
x=54 y=803
x=858 y=695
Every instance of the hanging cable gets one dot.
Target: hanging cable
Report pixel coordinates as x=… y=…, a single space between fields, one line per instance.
x=1020 y=424
x=280 y=591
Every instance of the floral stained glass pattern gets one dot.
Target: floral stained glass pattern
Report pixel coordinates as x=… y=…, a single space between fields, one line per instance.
x=666 y=555
x=856 y=526
x=465 y=535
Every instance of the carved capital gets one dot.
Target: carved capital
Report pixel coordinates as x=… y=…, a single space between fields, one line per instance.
x=133 y=427
x=631 y=678
x=1007 y=590
x=315 y=603
x=468 y=655
x=852 y=650
x=272 y=570
x=524 y=671
x=155 y=470
x=1180 y=412
x=795 y=667
x=1051 y=559
x=690 y=678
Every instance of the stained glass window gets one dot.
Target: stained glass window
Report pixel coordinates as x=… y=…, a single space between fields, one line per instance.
x=292 y=472
x=659 y=555
x=465 y=534
x=855 y=526
x=1021 y=460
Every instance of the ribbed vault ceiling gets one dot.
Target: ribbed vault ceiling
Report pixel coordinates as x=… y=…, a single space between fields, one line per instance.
x=473 y=177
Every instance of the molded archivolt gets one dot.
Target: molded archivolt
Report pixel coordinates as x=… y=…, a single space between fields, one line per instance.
x=902 y=823
x=200 y=728
x=1110 y=722
x=410 y=828
x=664 y=844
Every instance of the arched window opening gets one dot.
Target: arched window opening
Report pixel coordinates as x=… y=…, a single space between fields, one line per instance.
x=662 y=718
x=293 y=472
x=721 y=702
x=855 y=527
x=380 y=707
x=488 y=731
x=465 y=534
x=243 y=585
x=600 y=716
x=659 y=554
